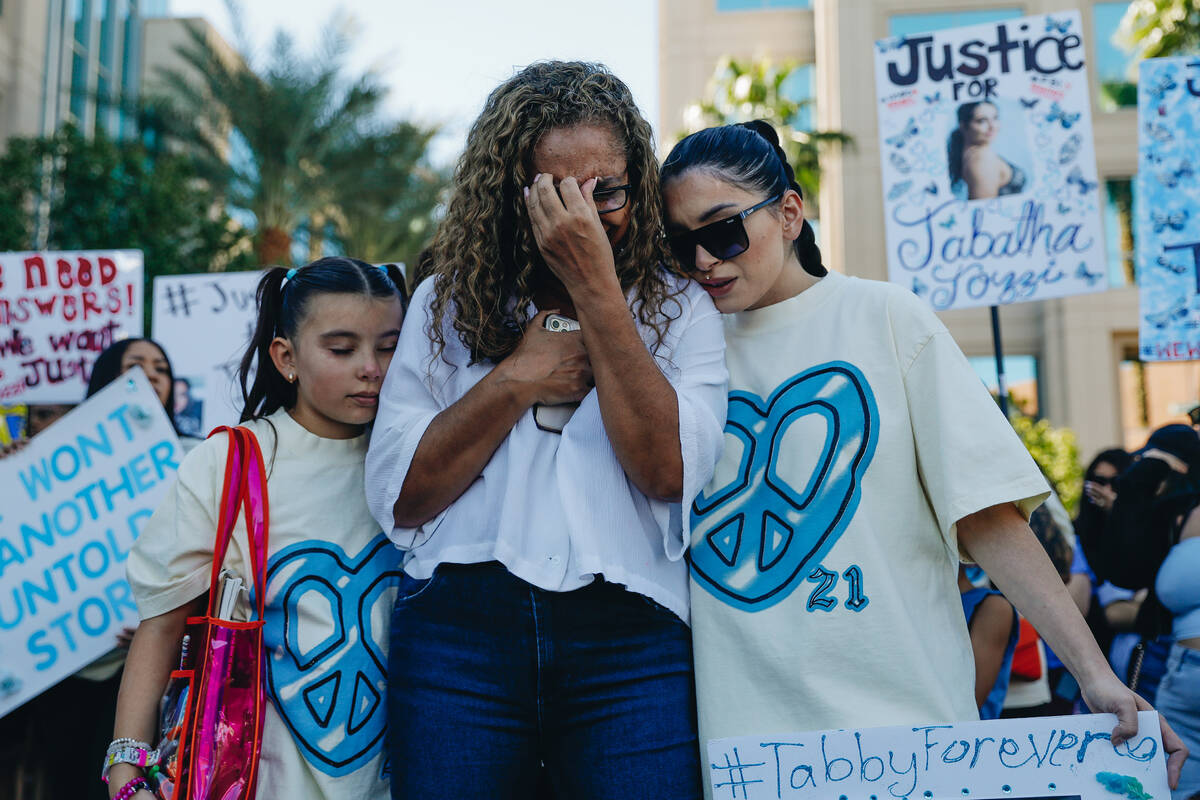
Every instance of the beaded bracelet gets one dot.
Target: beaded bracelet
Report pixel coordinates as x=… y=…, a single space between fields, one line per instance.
x=130 y=789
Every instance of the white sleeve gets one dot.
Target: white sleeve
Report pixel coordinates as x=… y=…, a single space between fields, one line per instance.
x=968 y=455
x=407 y=404
x=701 y=384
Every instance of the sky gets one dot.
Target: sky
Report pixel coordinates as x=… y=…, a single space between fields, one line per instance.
x=440 y=58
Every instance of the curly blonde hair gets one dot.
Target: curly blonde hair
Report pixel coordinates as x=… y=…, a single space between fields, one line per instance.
x=484 y=256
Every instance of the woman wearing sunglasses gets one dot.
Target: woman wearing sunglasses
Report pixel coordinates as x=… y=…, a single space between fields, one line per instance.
x=862 y=457
x=542 y=616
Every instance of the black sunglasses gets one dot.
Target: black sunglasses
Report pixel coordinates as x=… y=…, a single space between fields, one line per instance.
x=722 y=239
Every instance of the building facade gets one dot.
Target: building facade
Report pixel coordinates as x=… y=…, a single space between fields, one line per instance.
x=70 y=61
x=1080 y=352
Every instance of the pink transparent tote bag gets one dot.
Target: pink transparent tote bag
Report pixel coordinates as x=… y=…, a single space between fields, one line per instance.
x=212 y=713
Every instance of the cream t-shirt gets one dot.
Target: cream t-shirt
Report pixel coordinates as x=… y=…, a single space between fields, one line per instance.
x=331 y=582
x=824 y=551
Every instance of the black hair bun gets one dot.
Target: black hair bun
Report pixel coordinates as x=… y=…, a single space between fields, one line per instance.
x=765 y=130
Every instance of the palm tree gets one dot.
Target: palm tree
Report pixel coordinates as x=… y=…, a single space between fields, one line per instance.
x=1158 y=28
x=286 y=140
x=740 y=91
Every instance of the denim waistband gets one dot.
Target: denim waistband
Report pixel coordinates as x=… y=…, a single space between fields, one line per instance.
x=1180 y=656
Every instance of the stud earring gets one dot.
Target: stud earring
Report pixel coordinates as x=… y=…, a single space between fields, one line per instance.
x=291 y=377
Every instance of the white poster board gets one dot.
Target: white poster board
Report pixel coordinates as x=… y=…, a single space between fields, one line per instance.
x=58 y=311
x=989 y=172
x=71 y=505
x=1168 y=209
x=1015 y=759
x=205 y=322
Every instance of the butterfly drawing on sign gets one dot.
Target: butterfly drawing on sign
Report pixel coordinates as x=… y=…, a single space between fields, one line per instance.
x=931 y=188
x=919 y=287
x=1159 y=133
x=1063 y=208
x=890 y=44
x=1057 y=25
x=1175 y=222
x=899 y=163
x=949 y=223
x=1070 y=148
x=1059 y=114
x=1171 y=178
x=1029 y=103
x=931 y=99
x=1166 y=84
x=1178 y=269
x=899 y=190
x=1154 y=157
x=1092 y=278
x=1075 y=178
x=1160 y=319
x=908 y=131
x=1162 y=111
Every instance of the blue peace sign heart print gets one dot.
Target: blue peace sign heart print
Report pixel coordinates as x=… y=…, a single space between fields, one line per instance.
x=757 y=538
x=326 y=656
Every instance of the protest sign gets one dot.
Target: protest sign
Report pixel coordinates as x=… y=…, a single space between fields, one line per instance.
x=205 y=323
x=1017 y=759
x=71 y=504
x=989 y=172
x=58 y=311
x=1168 y=210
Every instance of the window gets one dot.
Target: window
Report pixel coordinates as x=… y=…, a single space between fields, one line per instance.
x=1119 y=230
x=1118 y=86
x=759 y=5
x=81 y=13
x=911 y=24
x=800 y=87
x=1020 y=375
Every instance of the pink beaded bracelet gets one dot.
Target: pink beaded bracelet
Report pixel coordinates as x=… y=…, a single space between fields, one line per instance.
x=130 y=789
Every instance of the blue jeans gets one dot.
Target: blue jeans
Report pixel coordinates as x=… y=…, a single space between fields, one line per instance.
x=490 y=678
x=1179 y=702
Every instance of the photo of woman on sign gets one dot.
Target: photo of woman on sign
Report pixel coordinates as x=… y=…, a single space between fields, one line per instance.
x=977 y=170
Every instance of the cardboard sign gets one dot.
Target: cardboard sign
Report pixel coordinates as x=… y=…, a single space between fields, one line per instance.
x=1168 y=214
x=58 y=311
x=989 y=173
x=71 y=505
x=1016 y=759
x=205 y=322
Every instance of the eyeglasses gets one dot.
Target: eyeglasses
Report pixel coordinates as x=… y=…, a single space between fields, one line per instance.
x=611 y=198
x=722 y=239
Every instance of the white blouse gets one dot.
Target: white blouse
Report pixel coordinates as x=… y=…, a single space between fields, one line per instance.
x=556 y=509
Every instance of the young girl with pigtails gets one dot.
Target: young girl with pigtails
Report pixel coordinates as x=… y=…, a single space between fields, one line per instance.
x=310 y=381
x=862 y=459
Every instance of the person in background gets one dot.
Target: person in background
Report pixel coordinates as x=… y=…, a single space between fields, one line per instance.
x=1177 y=587
x=993 y=624
x=1152 y=499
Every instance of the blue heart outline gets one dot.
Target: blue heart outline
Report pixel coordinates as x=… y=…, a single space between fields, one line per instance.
x=377 y=568
x=840 y=394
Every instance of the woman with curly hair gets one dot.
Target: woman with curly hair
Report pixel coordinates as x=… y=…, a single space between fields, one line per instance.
x=556 y=394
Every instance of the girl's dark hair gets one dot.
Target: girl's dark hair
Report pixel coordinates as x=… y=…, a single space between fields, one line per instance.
x=954 y=146
x=108 y=368
x=747 y=155
x=1090 y=519
x=282 y=307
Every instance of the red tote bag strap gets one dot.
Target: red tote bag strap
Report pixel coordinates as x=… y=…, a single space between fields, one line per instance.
x=232 y=492
x=257 y=513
